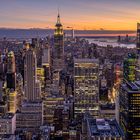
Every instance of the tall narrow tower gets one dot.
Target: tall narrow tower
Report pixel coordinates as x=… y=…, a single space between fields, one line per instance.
x=58 y=48
x=31 y=84
x=11 y=71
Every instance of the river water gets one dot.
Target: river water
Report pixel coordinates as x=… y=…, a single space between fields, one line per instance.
x=111 y=42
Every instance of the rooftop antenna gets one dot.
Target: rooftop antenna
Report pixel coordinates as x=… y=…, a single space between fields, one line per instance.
x=58 y=17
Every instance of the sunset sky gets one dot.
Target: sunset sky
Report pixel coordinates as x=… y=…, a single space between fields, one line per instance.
x=79 y=14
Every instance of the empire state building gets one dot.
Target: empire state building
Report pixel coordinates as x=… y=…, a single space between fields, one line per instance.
x=58 y=48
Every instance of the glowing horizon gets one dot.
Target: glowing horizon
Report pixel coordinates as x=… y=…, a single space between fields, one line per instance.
x=80 y=14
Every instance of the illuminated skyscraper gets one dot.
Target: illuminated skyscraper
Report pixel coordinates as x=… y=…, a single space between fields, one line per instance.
x=32 y=91
x=58 y=48
x=130 y=68
x=11 y=63
x=12 y=102
x=129 y=101
x=86 y=86
x=30 y=116
x=11 y=71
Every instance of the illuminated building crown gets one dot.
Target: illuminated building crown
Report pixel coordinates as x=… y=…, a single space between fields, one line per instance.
x=59 y=27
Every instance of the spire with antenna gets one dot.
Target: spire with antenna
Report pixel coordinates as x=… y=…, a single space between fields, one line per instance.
x=58 y=19
x=59 y=27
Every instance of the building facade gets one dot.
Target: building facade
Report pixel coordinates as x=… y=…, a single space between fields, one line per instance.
x=129 y=101
x=30 y=117
x=7 y=124
x=11 y=71
x=86 y=86
x=31 y=84
x=58 y=47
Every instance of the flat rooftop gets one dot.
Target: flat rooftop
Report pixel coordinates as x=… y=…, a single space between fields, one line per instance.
x=104 y=127
x=86 y=60
x=133 y=87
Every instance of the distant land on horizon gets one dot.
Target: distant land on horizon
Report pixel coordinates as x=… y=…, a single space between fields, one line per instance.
x=38 y=32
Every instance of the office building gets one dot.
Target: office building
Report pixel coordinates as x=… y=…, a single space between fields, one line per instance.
x=20 y=90
x=129 y=101
x=102 y=129
x=118 y=75
x=41 y=76
x=129 y=68
x=58 y=47
x=30 y=117
x=46 y=56
x=11 y=71
x=7 y=124
x=50 y=104
x=12 y=101
x=46 y=63
x=32 y=91
x=103 y=91
x=86 y=86
x=3 y=108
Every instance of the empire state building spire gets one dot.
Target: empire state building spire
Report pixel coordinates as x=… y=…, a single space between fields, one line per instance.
x=58 y=23
x=58 y=48
x=58 y=19
x=59 y=27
